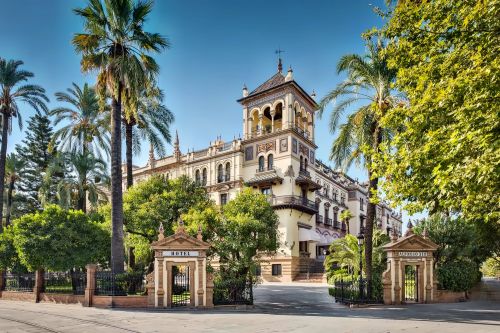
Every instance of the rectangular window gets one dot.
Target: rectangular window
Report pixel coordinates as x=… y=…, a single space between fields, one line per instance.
x=223 y=199
x=361 y=204
x=276 y=269
x=266 y=190
x=258 y=271
x=303 y=246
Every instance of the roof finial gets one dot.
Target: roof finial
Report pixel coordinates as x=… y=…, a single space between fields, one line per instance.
x=161 y=232
x=280 y=65
x=177 y=149
x=199 y=236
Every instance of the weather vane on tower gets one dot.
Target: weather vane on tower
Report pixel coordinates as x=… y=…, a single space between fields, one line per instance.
x=279 y=51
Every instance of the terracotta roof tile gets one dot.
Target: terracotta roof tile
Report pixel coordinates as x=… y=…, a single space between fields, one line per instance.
x=274 y=81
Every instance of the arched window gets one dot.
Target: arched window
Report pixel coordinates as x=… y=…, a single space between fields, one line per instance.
x=220 y=177
x=197 y=178
x=270 y=162
x=301 y=163
x=204 y=177
x=261 y=163
x=305 y=163
x=228 y=171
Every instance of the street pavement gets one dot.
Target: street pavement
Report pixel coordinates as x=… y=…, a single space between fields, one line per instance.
x=278 y=308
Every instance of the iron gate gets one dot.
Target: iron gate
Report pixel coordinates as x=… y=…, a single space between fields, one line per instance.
x=181 y=294
x=411 y=283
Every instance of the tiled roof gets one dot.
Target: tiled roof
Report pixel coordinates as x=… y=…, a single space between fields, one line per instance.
x=264 y=177
x=274 y=81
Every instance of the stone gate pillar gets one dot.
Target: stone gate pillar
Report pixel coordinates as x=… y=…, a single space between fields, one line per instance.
x=415 y=251
x=181 y=250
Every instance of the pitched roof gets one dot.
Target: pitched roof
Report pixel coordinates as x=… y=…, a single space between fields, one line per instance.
x=274 y=81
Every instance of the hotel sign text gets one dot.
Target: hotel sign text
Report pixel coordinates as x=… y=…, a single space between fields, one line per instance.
x=174 y=253
x=412 y=254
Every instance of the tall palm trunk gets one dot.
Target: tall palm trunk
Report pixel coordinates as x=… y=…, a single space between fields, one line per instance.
x=117 y=251
x=9 y=200
x=3 y=158
x=129 y=155
x=370 y=211
x=82 y=200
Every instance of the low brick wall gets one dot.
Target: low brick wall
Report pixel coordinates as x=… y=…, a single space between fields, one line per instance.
x=18 y=296
x=120 y=301
x=62 y=298
x=448 y=296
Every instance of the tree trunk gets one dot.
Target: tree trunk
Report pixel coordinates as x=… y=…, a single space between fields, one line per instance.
x=370 y=212
x=82 y=202
x=128 y=146
x=3 y=157
x=117 y=250
x=9 y=201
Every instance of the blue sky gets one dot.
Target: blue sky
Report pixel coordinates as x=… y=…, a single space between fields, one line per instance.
x=217 y=46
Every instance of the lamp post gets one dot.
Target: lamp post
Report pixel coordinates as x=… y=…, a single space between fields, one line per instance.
x=361 y=240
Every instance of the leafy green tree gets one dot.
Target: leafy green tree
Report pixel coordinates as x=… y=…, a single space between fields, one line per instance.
x=9 y=259
x=462 y=248
x=13 y=92
x=445 y=155
x=57 y=239
x=87 y=128
x=13 y=166
x=369 y=81
x=491 y=267
x=244 y=234
x=150 y=122
x=32 y=192
x=154 y=201
x=116 y=45
x=86 y=180
x=456 y=239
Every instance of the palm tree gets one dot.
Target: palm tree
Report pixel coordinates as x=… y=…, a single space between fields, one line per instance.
x=368 y=80
x=150 y=122
x=89 y=177
x=115 y=44
x=343 y=260
x=346 y=216
x=11 y=93
x=87 y=129
x=13 y=166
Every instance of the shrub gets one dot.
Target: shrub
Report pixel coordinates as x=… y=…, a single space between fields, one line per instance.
x=460 y=275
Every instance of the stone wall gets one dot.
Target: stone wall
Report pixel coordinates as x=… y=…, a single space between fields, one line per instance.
x=448 y=296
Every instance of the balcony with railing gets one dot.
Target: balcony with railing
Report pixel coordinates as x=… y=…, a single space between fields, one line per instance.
x=223 y=178
x=336 y=225
x=294 y=202
x=304 y=180
x=319 y=219
x=328 y=221
x=264 y=169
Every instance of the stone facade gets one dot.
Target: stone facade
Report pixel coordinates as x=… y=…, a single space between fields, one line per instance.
x=277 y=157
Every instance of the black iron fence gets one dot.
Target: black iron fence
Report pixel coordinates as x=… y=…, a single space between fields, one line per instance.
x=233 y=292
x=72 y=282
x=350 y=292
x=109 y=284
x=19 y=282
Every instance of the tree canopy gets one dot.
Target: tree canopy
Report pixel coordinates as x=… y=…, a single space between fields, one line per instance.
x=58 y=239
x=445 y=155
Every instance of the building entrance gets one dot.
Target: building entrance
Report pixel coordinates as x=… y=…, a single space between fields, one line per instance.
x=411 y=284
x=181 y=291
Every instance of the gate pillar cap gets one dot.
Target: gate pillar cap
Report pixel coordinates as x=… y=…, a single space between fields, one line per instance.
x=412 y=242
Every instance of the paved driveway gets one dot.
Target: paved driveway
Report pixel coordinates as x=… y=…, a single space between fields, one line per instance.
x=279 y=308
x=294 y=297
